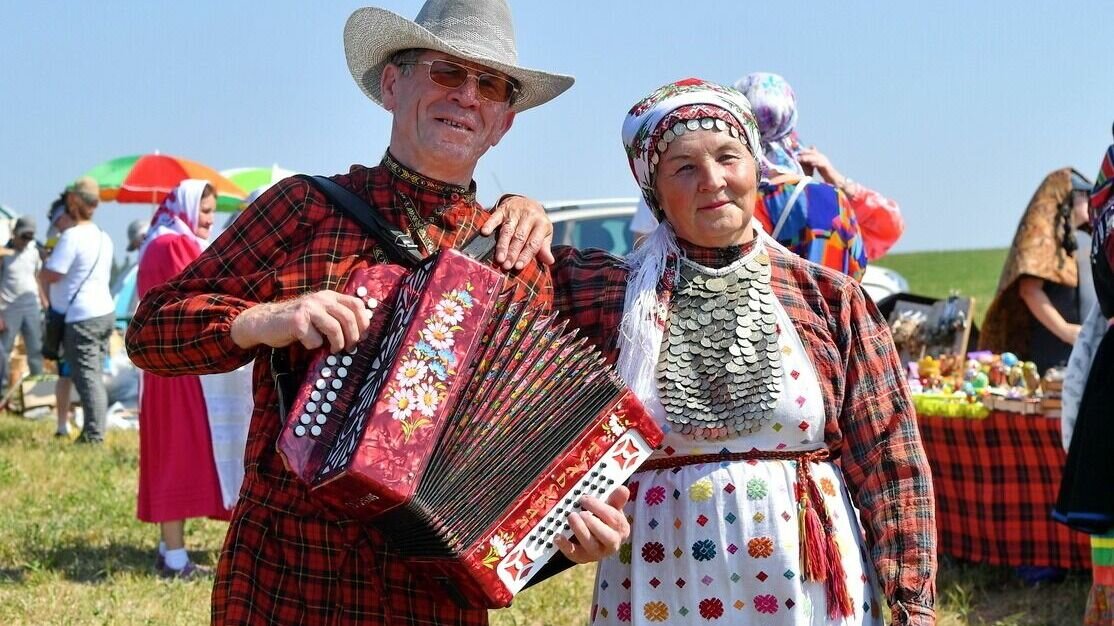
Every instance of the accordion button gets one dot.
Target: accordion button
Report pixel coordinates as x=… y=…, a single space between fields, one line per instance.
x=315 y=430
x=321 y=419
x=320 y=384
x=326 y=407
x=315 y=396
x=342 y=372
x=311 y=407
x=361 y=291
x=346 y=361
x=305 y=418
x=326 y=372
x=331 y=360
x=331 y=396
x=337 y=384
x=372 y=303
x=300 y=431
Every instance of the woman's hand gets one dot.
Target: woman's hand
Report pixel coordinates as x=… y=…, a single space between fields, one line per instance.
x=524 y=231
x=812 y=160
x=312 y=320
x=599 y=528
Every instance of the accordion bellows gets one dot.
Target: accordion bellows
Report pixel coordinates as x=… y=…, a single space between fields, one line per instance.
x=466 y=425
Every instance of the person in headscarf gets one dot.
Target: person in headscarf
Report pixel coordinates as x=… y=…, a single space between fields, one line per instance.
x=1038 y=305
x=834 y=224
x=763 y=369
x=775 y=107
x=177 y=473
x=1085 y=501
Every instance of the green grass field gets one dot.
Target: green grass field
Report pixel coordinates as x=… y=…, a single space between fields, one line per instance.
x=72 y=552
x=971 y=273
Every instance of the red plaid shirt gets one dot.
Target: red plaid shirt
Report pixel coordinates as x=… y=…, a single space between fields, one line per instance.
x=286 y=559
x=871 y=426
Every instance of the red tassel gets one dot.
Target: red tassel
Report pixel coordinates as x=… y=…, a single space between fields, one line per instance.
x=839 y=599
x=835 y=585
x=814 y=559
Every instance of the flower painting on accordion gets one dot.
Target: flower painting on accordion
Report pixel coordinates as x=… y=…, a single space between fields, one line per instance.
x=421 y=381
x=499 y=547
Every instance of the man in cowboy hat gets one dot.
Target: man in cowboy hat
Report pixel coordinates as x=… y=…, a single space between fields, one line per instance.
x=453 y=85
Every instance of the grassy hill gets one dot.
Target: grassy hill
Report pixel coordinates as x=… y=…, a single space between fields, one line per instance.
x=968 y=272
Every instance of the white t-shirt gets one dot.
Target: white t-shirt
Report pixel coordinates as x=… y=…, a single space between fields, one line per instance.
x=74 y=257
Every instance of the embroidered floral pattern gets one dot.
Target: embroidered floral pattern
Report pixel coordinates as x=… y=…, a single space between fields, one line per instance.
x=653 y=552
x=655 y=495
x=711 y=608
x=827 y=487
x=760 y=547
x=420 y=386
x=701 y=490
x=765 y=604
x=655 y=611
x=756 y=489
x=622 y=612
x=704 y=550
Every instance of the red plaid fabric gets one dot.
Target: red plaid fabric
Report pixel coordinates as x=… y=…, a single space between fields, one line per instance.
x=872 y=427
x=996 y=482
x=286 y=559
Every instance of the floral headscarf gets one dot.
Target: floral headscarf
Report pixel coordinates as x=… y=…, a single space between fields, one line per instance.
x=178 y=213
x=687 y=105
x=775 y=108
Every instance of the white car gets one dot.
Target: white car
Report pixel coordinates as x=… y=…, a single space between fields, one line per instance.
x=605 y=224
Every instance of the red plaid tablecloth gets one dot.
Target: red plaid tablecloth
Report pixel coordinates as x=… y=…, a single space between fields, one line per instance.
x=996 y=480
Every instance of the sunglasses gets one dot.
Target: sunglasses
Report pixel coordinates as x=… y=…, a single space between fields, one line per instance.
x=452 y=75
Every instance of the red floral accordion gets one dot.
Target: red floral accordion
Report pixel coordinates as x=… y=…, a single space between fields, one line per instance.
x=466 y=425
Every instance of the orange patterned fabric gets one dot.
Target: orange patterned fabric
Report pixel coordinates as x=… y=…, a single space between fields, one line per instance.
x=1036 y=251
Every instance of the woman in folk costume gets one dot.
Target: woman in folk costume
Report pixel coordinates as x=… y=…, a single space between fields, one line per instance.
x=763 y=369
x=1039 y=305
x=177 y=474
x=775 y=108
x=1086 y=501
x=811 y=218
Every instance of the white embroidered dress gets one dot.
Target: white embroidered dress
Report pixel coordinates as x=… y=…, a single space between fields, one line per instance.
x=719 y=542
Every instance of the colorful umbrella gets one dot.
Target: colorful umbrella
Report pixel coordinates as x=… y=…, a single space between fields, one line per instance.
x=256 y=180
x=149 y=177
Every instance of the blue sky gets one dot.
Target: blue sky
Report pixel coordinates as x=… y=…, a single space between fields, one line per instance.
x=955 y=109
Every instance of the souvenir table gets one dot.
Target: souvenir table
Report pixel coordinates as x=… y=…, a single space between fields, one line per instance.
x=996 y=479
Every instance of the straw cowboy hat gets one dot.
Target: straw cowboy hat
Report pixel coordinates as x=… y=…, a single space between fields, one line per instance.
x=476 y=30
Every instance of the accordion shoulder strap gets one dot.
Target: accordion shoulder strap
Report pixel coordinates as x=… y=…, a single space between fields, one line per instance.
x=399 y=246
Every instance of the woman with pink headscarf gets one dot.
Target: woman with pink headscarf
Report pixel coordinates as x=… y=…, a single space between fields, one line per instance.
x=775 y=107
x=177 y=474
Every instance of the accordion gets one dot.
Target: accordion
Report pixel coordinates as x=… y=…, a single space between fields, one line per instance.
x=466 y=424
